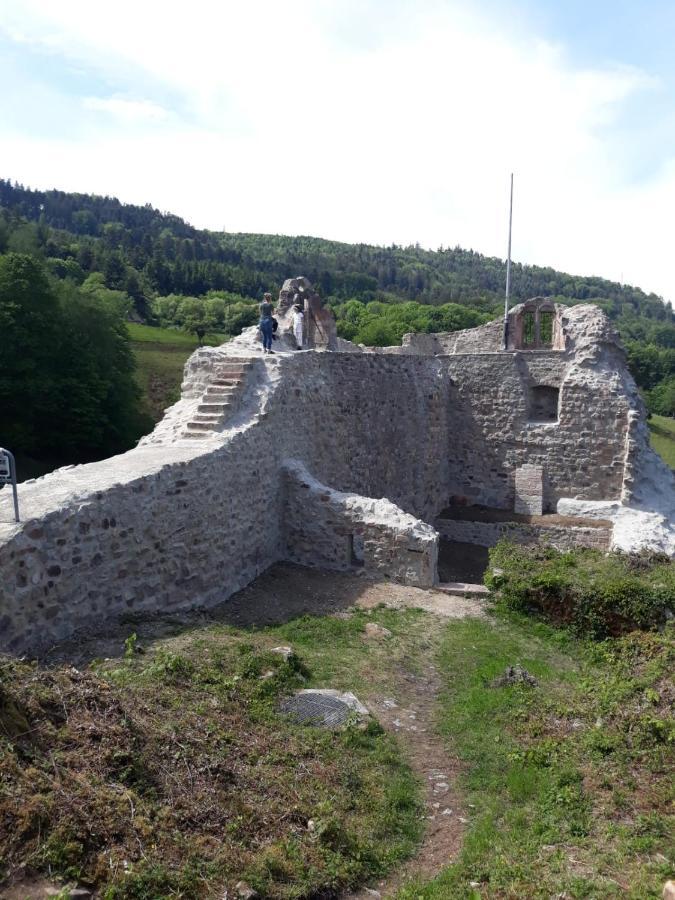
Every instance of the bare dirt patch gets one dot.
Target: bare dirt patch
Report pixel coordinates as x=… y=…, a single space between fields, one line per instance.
x=284 y=592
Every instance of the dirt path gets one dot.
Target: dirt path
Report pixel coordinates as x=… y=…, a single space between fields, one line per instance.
x=410 y=716
x=285 y=592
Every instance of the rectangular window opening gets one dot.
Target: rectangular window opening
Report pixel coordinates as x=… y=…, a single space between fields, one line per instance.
x=546 y=328
x=529 y=331
x=543 y=406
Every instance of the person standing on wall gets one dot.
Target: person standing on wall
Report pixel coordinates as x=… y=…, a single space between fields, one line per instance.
x=266 y=325
x=298 y=325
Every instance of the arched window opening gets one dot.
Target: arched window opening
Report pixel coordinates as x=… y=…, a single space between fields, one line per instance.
x=536 y=327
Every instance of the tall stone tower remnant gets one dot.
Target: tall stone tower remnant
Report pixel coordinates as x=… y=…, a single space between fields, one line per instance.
x=320 y=328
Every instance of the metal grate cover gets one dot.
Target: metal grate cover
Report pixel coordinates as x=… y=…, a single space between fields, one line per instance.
x=316 y=709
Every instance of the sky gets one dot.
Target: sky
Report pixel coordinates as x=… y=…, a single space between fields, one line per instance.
x=381 y=121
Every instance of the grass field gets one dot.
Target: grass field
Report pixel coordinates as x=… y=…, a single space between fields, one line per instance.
x=161 y=354
x=663 y=437
x=169 y=773
x=570 y=781
x=165 y=769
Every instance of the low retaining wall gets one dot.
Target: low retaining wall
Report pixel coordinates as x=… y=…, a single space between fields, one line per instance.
x=487 y=534
x=335 y=530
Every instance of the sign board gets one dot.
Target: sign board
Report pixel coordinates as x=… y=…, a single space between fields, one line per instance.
x=8 y=476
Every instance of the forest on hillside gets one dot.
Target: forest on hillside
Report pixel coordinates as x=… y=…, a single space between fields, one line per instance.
x=105 y=262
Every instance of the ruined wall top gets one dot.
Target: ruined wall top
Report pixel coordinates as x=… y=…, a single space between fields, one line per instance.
x=319 y=326
x=295 y=290
x=538 y=324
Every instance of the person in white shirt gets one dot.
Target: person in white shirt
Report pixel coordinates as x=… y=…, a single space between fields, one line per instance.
x=298 y=325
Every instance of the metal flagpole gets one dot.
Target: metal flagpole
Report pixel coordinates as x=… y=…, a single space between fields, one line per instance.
x=508 y=271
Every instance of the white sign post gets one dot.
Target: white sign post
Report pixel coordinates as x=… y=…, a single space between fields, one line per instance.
x=8 y=476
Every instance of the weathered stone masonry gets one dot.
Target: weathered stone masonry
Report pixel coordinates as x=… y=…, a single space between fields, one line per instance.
x=299 y=468
x=179 y=524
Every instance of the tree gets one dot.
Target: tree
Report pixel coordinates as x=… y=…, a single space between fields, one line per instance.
x=165 y=310
x=115 y=271
x=239 y=316
x=25 y=239
x=96 y=410
x=378 y=333
x=67 y=384
x=29 y=319
x=661 y=400
x=194 y=317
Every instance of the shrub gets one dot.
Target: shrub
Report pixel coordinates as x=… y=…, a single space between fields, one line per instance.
x=593 y=593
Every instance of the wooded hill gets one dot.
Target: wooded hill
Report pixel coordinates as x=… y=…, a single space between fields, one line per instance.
x=148 y=252
x=377 y=293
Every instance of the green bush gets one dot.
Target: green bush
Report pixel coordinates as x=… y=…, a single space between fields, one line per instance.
x=593 y=593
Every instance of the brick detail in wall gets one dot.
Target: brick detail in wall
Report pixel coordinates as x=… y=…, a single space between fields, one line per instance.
x=529 y=490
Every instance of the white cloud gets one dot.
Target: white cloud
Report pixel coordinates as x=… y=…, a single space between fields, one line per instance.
x=127 y=111
x=374 y=121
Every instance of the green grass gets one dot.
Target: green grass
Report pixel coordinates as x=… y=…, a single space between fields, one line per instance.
x=568 y=782
x=595 y=594
x=170 y=336
x=161 y=354
x=170 y=773
x=663 y=438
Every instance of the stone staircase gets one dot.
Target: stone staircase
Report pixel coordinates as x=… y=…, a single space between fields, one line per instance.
x=220 y=398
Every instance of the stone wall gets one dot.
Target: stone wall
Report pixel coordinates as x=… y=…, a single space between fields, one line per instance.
x=175 y=523
x=562 y=537
x=335 y=530
x=150 y=533
x=491 y=434
x=178 y=522
x=369 y=424
x=487 y=338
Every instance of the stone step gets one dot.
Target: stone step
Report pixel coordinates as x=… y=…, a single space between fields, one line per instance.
x=212 y=407
x=196 y=434
x=211 y=394
x=462 y=589
x=200 y=426
x=208 y=417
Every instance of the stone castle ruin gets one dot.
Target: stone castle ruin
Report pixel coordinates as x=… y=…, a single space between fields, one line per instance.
x=320 y=329
x=354 y=458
